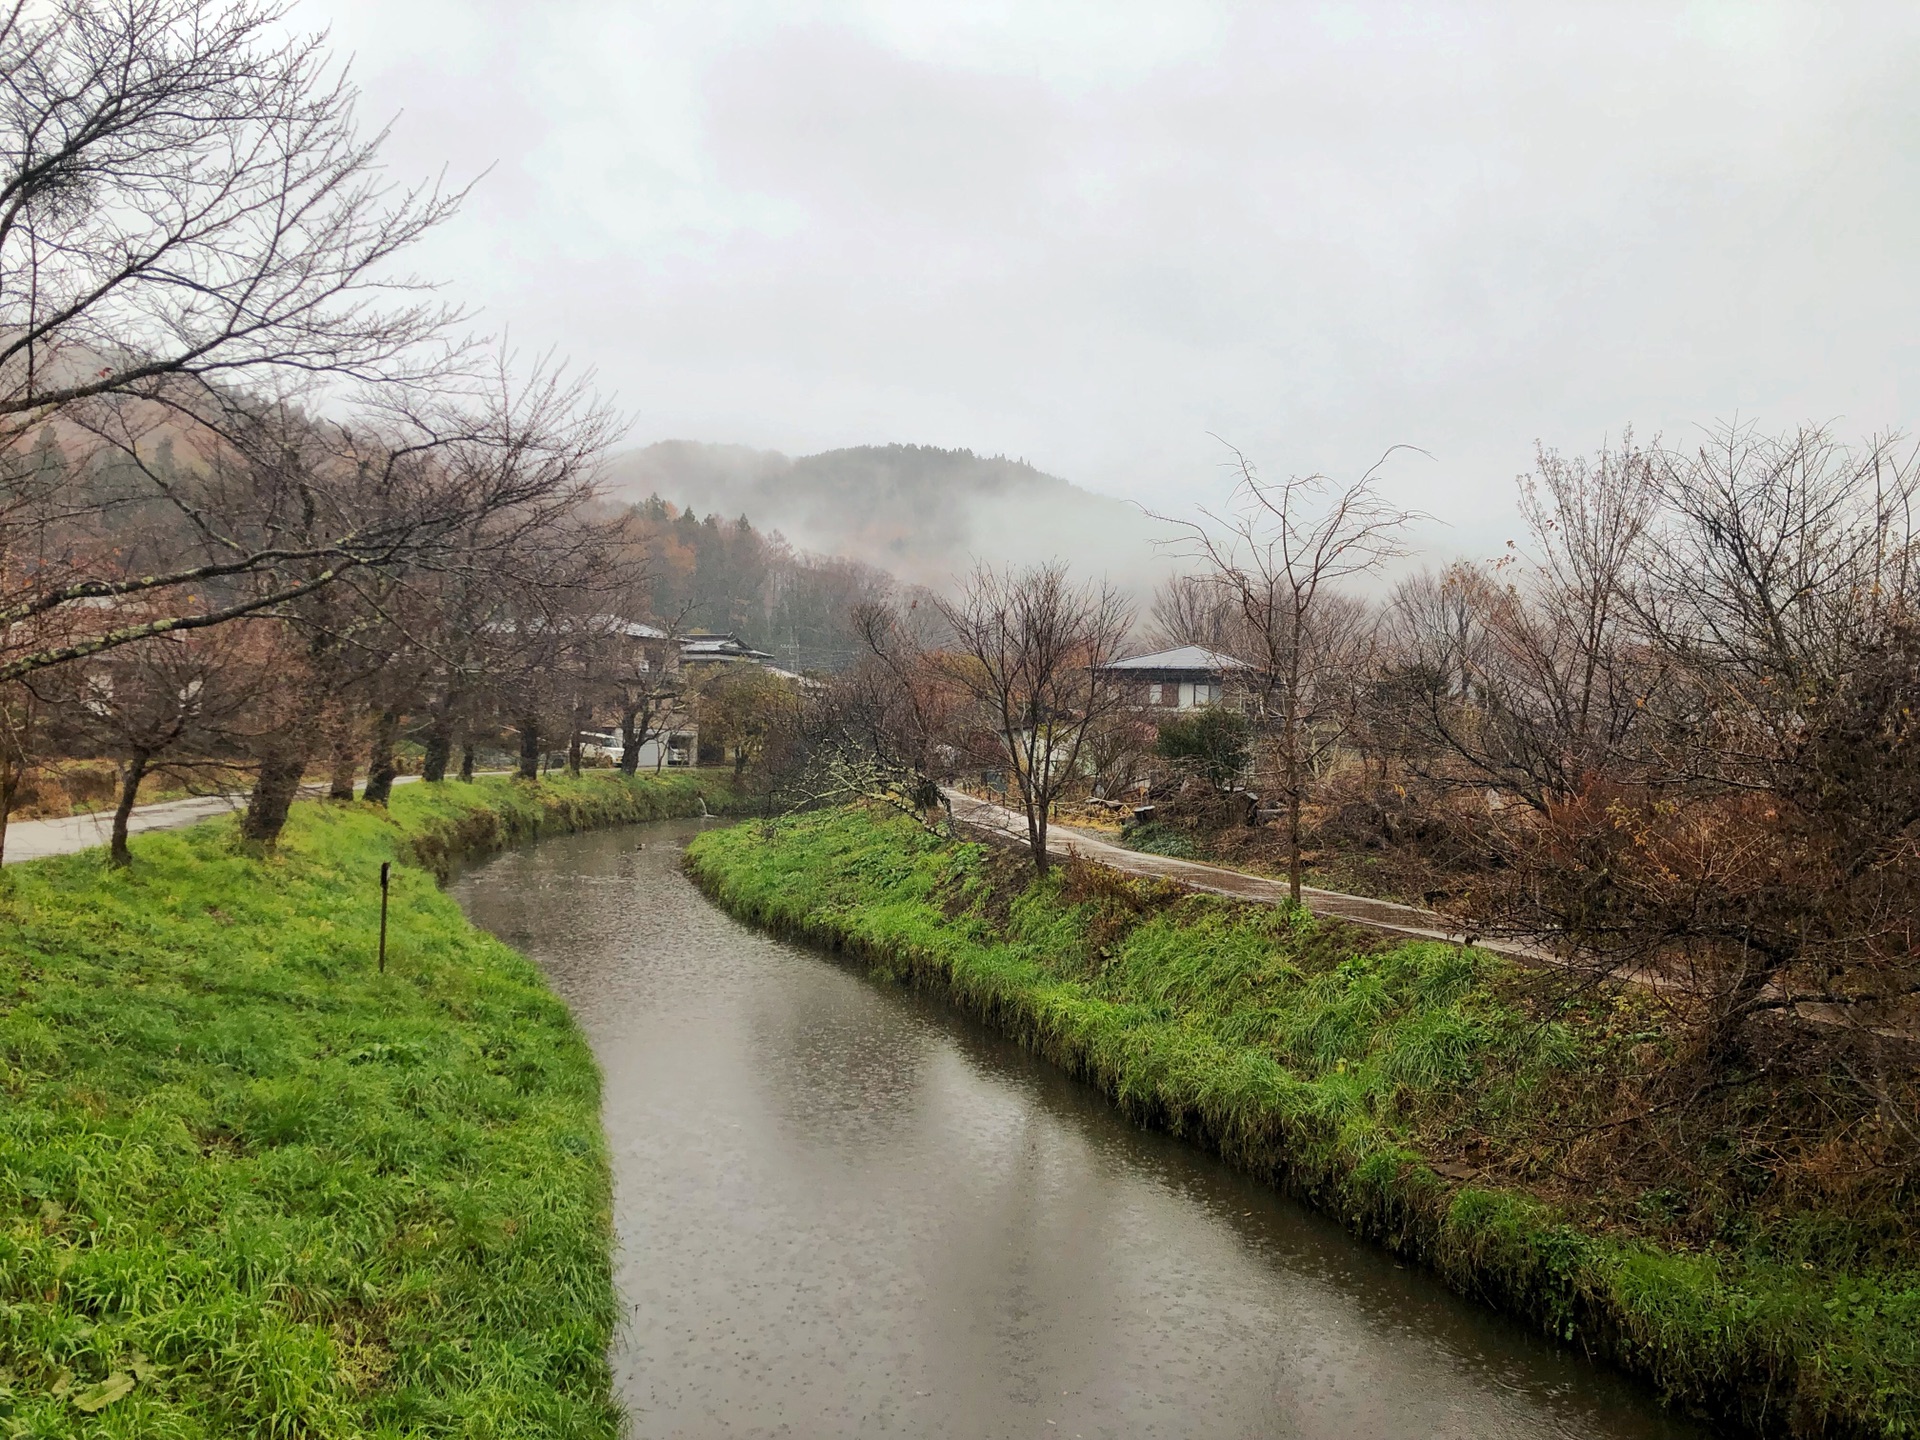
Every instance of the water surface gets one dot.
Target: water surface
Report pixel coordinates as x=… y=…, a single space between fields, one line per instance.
x=844 y=1209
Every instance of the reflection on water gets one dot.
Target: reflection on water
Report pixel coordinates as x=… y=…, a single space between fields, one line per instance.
x=844 y=1210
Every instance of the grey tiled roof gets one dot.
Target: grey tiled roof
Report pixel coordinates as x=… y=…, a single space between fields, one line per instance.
x=1187 y=657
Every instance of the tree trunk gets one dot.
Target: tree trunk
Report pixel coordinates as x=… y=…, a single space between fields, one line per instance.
x=466 y=762
x=1738 y=997
x=529 y=748
x=9 y=782
x=573 y=744
x=1293 y=846
x=380 y=764
x=345 y=761
x=1293 y=807
x=273 y=793
x=629 y=748
x=136 y=771
x=433 y=766
x=1037 y=833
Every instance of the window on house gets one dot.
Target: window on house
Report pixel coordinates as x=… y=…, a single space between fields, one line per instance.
x=1153 y=694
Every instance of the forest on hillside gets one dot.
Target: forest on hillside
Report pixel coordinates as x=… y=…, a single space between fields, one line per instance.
x=729 y=576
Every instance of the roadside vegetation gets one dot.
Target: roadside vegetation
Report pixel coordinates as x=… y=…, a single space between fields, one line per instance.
x=250 y=1185
x=1450 y=1103
x=289 y=520
x=1665 y=745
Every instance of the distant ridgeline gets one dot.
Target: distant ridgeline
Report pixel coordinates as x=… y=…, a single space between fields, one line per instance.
x=920 y=513
x=726 y=576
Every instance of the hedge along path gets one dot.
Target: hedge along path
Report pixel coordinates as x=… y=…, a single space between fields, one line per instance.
x=249 y=1186
x=1262 y=1034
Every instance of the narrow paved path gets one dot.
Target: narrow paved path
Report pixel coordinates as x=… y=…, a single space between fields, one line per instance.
x=1383 y=915
x=1407 y=920
x=37 y=839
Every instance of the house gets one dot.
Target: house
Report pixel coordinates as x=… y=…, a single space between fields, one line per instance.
x=702 y=653
x=1172 y=680
x=661 y=672
x=703 y=648
x=652 y=662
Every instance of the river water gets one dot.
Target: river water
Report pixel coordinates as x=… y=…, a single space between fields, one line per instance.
x=846 y=1210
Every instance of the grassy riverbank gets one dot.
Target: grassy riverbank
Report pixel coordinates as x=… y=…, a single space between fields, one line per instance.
x=250 y=1186
x=1424 y=1094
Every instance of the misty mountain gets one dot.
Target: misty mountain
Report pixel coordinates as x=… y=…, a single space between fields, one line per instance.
x=921 y=513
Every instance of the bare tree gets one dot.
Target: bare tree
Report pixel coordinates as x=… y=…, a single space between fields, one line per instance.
x=1279 y=554
x=549 y=641
x=471 y=622
x=518 y=479
x=176 y=702
x=1780 y=583
x=398 y=682
x=1033 y=650
x=184 y=193
x=648 y=688
x=191 y=229
x=903 y=689
x=1532 y=675
x=884 y=729
x=1194 y=610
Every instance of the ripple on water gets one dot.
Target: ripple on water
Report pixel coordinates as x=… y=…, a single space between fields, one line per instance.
x=844 y=1210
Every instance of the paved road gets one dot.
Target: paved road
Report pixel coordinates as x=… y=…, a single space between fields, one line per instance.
x=1384 y=915
x=37 y=839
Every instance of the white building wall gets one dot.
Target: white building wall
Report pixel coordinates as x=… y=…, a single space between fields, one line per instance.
x=676 y=749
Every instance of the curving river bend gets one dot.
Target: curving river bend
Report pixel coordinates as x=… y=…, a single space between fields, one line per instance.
x=844 y=1209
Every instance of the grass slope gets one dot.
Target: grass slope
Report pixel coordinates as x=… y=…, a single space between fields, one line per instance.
x=1345 y=1069
x=249 y=1186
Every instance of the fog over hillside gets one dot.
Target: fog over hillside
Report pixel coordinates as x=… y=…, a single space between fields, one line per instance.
x=922 y=513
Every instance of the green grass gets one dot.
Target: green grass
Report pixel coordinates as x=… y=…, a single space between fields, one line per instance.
x=1153 y=838
x=249 y=1186
x=1345 y=1069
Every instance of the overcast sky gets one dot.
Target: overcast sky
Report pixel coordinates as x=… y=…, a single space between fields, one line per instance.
x=1092 y=233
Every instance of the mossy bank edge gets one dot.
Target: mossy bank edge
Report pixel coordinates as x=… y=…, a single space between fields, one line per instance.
x=1320 y=1064
x=251 y=1186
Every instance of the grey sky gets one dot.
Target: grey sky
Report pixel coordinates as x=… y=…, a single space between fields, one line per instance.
x=1090 y=233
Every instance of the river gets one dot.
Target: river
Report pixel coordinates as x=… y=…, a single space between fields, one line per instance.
x=844 y=1209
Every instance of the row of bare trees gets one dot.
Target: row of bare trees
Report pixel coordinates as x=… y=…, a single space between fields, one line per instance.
x=1690 y=699
x=1668 y=729
x=1669 y=733
x=264 y=505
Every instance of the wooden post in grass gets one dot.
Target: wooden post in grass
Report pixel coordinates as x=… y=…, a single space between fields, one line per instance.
x=385 y=866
